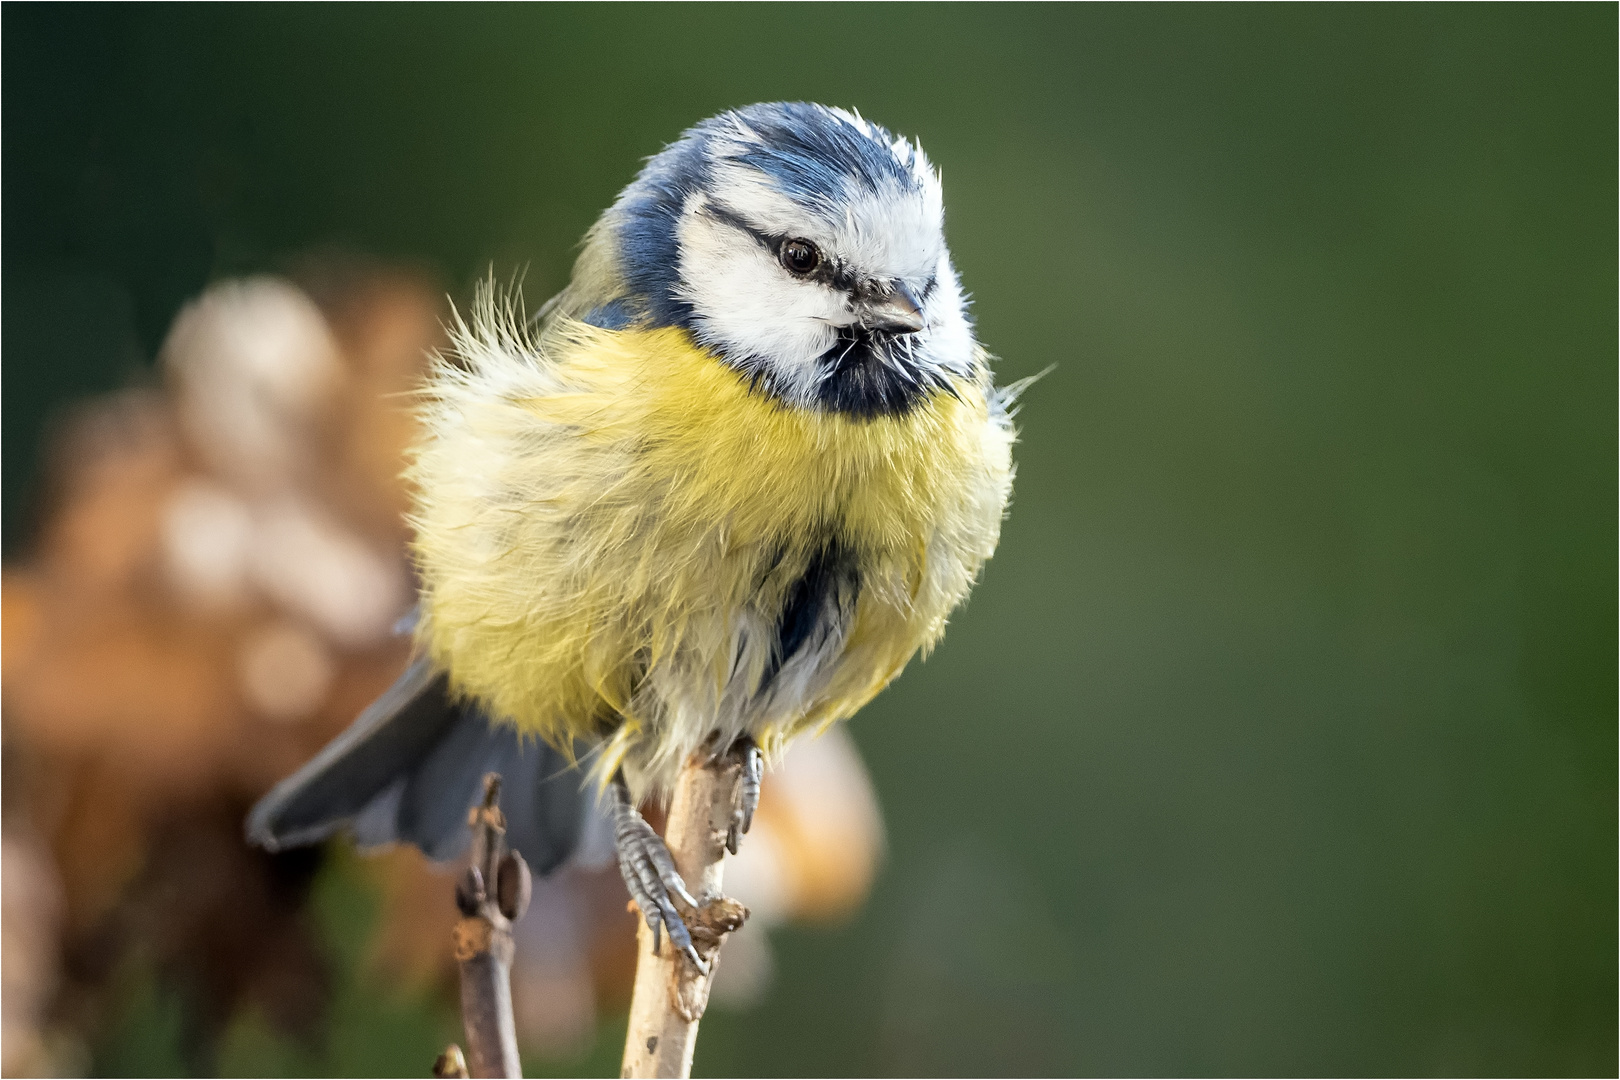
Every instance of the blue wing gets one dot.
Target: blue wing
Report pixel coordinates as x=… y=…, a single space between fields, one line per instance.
x=411 y=766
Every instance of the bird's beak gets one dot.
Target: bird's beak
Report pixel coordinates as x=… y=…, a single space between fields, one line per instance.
x=895 y=311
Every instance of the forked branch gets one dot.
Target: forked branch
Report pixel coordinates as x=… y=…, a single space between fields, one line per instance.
x=492 y=894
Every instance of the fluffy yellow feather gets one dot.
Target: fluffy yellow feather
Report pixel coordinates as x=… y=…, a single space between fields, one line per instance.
x=608 y=521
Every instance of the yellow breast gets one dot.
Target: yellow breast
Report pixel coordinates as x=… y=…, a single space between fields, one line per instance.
x=603 y=527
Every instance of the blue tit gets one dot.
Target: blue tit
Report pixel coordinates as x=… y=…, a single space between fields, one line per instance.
x=716 y=494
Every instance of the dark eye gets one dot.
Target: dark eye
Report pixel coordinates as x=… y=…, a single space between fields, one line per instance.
x=800 y=256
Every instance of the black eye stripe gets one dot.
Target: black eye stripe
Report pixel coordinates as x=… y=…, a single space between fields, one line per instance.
x=769 y=241
x=829 y=269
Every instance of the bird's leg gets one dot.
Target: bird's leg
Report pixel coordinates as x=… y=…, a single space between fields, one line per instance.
x=649 y=873
x=742 y=815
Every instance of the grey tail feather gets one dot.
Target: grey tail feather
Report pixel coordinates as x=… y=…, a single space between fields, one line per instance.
x=408 y=770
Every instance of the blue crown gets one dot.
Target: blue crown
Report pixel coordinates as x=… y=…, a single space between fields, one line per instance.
x=811 y=153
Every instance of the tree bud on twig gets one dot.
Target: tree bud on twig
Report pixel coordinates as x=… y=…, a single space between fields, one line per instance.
x=451 y=1063
x=513 y=888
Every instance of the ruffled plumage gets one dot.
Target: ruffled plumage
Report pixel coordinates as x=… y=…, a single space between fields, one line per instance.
x=609 y=523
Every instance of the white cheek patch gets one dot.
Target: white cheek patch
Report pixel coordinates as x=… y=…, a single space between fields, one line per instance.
x=745 y=304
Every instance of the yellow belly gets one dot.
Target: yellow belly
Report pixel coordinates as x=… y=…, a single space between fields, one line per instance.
x=607 y=530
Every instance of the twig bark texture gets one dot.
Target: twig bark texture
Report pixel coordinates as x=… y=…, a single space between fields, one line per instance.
x=670 y=992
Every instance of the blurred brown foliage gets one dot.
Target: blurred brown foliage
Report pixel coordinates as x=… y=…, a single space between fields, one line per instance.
x=168 y=652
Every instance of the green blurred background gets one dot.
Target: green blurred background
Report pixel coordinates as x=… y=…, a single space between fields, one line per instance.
x=1280 y=736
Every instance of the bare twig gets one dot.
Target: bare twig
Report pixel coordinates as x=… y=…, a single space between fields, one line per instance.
x=670 y=992
x=492 y=895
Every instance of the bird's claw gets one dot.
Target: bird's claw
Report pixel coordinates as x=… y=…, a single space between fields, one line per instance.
x=697 y=961
x=650 y=875
x=742 y=815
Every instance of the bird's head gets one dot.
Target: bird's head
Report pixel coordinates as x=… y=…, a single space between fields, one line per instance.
x=802 y=245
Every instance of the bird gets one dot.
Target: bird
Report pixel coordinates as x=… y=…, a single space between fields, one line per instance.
x=713 y=496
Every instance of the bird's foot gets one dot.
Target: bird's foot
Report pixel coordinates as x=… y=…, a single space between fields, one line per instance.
x=650 y=875
x=742 y=815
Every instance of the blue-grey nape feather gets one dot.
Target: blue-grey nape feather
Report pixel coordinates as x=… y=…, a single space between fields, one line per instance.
x=412 y=765
x=613 y=315
x=647 y=218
